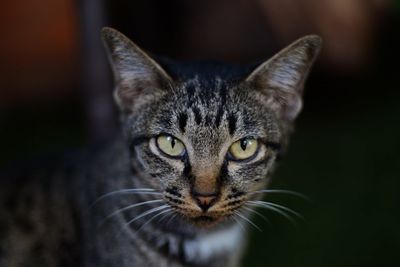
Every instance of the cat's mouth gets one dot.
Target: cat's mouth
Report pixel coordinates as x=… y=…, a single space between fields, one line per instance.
x=204 y=210
x=208 y=219
x=205 y=220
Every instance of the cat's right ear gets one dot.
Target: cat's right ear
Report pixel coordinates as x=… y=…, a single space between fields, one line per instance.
x=136 y=74
x=281 y=78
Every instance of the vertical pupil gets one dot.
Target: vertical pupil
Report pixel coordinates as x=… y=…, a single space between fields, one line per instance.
x=243 y=144
x=172 y=142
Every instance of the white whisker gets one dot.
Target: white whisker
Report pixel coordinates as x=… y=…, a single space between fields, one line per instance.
x=279 y=191
x=248 y=220
x=145 y=214
x=238 y=222
x=130 y=207
x=170 y=219
x=152 y=218
x=133 y=191
x=267 y=206
x=259 y=214
x=165 y=216
x=285 y=209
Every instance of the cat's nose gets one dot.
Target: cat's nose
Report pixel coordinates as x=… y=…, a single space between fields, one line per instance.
x=205 y=201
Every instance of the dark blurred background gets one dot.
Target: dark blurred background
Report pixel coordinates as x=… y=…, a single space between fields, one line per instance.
x=55 y=95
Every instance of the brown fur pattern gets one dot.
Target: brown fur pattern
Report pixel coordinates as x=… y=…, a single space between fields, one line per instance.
x=130 y=203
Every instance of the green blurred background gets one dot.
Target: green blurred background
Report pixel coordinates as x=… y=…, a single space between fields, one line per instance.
x=55 y=95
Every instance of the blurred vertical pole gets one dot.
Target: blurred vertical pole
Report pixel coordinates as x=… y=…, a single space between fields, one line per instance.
x=96 y=80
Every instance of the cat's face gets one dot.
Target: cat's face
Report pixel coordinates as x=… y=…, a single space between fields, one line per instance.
x=207 y=146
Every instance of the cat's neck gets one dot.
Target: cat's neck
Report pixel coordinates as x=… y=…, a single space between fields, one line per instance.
x=175 y=238
x=205 y=248
x=197 y=249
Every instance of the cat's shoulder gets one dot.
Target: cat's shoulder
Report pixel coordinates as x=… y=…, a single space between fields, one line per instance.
x=36 y=218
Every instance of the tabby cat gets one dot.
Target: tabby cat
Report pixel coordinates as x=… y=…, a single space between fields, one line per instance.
x=197 y=148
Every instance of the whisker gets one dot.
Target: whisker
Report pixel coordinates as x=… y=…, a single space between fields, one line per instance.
x=170 y=219
x=257 y=213
x=247 y=220
x=165 y=216
x=238 y=222
x=279 y=191
x=152 y=218
x=285 y=209
x=144 y=191
x=145 y=214
x=129 y=207
x=265 y=205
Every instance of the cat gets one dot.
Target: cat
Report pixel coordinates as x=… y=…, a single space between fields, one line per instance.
x=197 y=147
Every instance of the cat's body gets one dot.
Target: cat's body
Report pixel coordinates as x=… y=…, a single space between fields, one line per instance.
x=198 y=145
x=49 y=220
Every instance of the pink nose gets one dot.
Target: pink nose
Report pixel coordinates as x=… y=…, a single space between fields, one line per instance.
x=205 y=201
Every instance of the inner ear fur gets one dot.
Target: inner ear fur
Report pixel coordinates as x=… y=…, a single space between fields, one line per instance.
x=136 y=74
x=281 y=78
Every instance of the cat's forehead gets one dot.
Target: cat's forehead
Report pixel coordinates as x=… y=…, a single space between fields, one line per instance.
x=206 y=94
x=213 y=111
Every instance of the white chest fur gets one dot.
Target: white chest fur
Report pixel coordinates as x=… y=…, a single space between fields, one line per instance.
x=206 y=247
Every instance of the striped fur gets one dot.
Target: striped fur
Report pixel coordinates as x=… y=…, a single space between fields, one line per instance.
x=129 y=203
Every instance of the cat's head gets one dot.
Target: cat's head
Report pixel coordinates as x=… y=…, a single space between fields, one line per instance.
x=207 y=143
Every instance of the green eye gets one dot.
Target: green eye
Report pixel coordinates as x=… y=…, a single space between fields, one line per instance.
x=170 y=145
x=244 y=148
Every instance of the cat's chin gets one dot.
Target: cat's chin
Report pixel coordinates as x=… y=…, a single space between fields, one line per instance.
x=184 y=223
x=206 y=221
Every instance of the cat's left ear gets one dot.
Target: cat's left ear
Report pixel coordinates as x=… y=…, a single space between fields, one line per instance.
x=137 y=76
x=281 y=78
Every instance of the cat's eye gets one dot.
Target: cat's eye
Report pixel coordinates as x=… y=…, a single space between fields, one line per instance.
x=244 y=148
x=170 y=145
